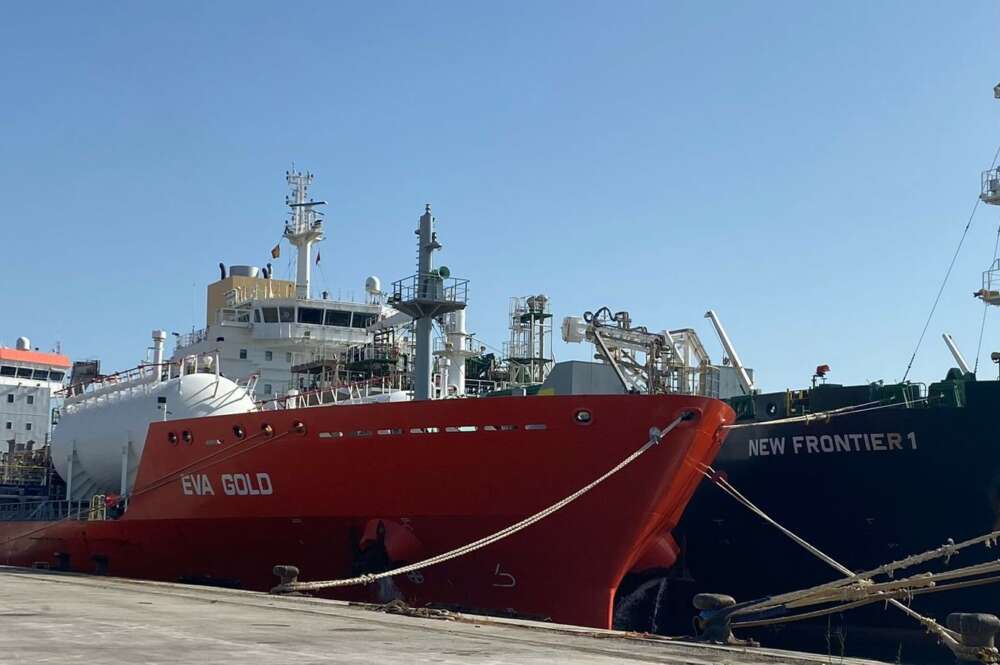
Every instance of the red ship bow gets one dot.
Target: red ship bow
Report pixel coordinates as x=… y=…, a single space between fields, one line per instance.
x=344 y=490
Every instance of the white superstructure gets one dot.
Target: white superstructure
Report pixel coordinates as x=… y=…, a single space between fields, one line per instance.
x=28 y=378
x=263 y=327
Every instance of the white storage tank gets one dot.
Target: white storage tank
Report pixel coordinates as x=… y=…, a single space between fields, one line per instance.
x=99 y=425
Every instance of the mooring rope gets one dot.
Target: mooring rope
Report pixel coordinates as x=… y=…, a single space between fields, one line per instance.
x=655 y=437
x=948 y=637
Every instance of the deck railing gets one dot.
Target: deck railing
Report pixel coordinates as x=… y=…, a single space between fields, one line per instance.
x=359 y=391
x=139 y=380
x=44 y=510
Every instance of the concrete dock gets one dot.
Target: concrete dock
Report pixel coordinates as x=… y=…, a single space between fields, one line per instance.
x=49 y=617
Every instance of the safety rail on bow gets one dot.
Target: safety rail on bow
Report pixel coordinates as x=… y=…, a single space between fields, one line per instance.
x=137 y=380
x=347 y=393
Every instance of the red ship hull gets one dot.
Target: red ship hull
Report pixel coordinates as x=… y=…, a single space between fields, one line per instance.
x=342 y=490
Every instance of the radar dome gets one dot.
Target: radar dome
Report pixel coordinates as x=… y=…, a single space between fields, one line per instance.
x=373 y=285
x=23 y=344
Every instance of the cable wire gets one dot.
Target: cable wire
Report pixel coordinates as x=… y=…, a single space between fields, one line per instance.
x=947 y=274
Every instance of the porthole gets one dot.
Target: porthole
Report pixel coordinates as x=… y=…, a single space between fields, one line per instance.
x=172 y=438
x=582 y=416
x=238 y=431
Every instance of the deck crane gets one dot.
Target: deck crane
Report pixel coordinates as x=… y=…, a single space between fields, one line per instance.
x=673 y=361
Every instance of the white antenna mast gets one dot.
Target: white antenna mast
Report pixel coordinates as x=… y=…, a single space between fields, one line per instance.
x=303 y=227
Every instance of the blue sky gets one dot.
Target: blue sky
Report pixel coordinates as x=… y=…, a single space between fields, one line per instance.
x=805 y=169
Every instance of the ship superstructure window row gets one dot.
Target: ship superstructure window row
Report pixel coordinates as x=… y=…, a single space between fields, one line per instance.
x=28 y=373
x=316 y=316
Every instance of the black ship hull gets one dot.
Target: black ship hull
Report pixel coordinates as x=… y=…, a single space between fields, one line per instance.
x=902 y=473
x=866 y=489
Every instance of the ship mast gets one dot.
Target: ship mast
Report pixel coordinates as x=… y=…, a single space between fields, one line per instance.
x=990 y=194
x=303 y=227
x=425 y=296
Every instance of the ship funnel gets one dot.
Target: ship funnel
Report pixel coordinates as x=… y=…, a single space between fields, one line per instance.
x=159 y=338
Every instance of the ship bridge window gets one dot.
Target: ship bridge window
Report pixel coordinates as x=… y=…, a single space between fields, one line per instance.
x=256 y=316
x=7 y=371
x=23 y=373
x=286 y=314
x=311 y=315
x=362 y=320
x=40 y=375
x=56 y=376
x=336 y=317
x=10 y=398
x=270 y=314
